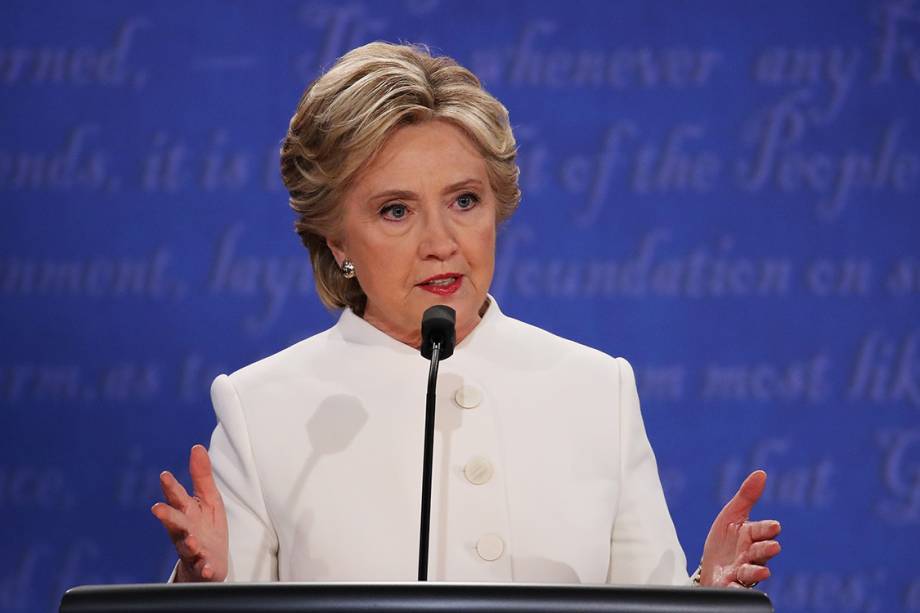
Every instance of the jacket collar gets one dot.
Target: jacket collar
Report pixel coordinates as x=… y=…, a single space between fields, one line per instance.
x=354 y=329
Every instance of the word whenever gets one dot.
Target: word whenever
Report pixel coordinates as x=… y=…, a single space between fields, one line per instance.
x=642 y=68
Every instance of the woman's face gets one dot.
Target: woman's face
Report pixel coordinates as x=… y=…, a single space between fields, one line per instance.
x=419 y=226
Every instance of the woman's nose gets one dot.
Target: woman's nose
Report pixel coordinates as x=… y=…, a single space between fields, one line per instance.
x=438 y=236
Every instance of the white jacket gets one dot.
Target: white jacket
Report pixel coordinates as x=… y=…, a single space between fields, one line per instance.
x=543 y=471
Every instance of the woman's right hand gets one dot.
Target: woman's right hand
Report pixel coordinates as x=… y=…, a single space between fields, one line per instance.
x=196 y=524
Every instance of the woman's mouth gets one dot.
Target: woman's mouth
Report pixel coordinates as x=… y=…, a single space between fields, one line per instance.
x=442 y=285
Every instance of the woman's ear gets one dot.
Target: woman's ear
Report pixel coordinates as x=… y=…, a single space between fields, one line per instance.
x=338 y=251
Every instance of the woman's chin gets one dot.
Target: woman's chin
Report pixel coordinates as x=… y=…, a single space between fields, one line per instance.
x=465 y=302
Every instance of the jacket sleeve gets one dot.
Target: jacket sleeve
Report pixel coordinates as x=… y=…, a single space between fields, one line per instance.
x=644 y=548
x=253 y=540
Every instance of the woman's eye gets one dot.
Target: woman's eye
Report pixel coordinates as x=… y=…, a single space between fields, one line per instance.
x=394 y=211
x=467 y=201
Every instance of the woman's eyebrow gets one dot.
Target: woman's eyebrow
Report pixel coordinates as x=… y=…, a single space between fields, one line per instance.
x=471 y=182
x=393 y=194
x=404 y=194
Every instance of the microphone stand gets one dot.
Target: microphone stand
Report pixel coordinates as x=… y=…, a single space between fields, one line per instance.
x=427 y=461
x=438 y=339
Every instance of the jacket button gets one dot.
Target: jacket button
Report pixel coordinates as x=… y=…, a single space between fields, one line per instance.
x=468 y=397
x=478 y=471
x=490 y=547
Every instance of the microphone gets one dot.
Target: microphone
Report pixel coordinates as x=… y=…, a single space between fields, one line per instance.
x=439 y=326
x=438 y=338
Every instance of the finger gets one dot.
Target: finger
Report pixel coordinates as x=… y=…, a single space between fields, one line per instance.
x=175 y=493
x=749 y=574
x=175 y=522
x=203 y=569
x=739 y=507
x=763 y=530
x=761 y=552
x=185 y=553
x=199 y=466
x=189 y=548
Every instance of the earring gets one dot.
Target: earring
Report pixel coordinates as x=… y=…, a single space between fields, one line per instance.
x=348 y=269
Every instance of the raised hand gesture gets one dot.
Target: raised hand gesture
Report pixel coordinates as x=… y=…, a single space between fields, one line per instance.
x=196 y=524
x=737 y=550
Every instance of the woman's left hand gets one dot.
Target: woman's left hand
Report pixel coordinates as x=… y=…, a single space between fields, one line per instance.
x=737 y=550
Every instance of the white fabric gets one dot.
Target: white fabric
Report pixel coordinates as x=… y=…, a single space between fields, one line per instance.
x=318 y=455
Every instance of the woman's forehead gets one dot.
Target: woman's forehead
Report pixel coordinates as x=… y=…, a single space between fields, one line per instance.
x=433 y=150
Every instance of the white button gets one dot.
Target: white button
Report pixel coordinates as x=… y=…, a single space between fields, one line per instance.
x=478 y=471
x=468 y=397
x=490 y=547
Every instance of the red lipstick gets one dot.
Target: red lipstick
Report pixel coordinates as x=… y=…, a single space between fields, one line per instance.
x=443 y=285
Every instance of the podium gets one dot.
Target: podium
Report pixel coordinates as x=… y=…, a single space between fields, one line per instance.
x=409 y=597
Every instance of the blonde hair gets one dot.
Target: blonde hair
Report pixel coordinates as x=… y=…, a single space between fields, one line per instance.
x=344 y=117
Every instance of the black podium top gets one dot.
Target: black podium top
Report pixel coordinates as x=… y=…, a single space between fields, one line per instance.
x=391 y=597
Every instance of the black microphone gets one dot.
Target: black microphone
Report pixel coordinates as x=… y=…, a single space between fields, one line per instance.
x=438 y=337
x=438 y=326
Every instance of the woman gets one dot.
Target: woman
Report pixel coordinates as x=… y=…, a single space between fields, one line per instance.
x=401 y=168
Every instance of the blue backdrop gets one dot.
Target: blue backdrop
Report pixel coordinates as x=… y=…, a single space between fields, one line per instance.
x=726 y=193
